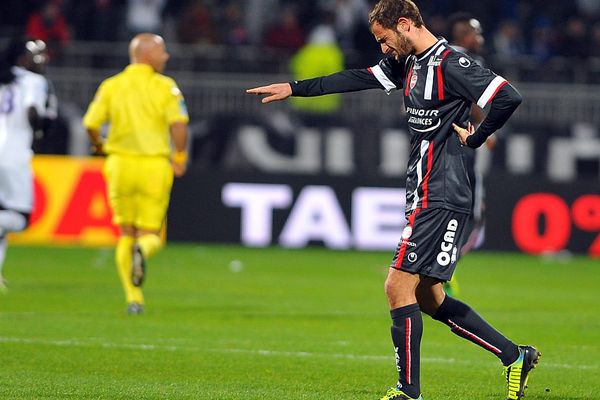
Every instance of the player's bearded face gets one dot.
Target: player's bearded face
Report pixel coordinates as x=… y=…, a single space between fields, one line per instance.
x=402 y=46
x=392 y=41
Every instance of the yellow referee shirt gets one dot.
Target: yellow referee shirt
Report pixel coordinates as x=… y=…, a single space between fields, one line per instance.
x=140 y=105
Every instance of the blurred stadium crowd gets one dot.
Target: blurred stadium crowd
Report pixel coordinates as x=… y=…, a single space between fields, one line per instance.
x=531 y=30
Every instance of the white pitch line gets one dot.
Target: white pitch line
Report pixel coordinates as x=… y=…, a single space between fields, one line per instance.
x=261 y=352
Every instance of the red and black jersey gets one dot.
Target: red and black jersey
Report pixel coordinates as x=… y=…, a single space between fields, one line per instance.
x=439 y=87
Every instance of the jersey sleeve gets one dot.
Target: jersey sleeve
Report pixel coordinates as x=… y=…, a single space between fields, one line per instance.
x=467 y=79
x=97 y=112
x=35 y=93
x=175 y=107
x=390 y=73
x=385 y=75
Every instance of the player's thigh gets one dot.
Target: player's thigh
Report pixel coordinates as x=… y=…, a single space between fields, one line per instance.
x=430 y=245
x=120 y=173
x=154 y=193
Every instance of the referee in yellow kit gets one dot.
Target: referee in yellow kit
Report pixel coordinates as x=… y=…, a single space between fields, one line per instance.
x=146 y=144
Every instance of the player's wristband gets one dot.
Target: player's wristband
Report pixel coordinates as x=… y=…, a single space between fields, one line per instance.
x=180 y=157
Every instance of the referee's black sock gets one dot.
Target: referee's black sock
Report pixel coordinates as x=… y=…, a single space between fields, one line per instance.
x=466 y=323
x=407 y=329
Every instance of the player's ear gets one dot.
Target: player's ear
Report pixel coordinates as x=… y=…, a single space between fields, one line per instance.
x=403 y=25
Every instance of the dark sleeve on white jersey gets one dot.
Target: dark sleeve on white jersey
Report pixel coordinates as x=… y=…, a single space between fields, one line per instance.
x=481 y=86
x=385 y=75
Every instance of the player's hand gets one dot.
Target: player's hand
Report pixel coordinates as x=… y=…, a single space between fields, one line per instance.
x=276 y=91
x=463 y=133
x=97 y=149
x=179 y=169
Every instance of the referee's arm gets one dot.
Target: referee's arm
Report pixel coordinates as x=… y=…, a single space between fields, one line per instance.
x=179 y=137
x=95 y=116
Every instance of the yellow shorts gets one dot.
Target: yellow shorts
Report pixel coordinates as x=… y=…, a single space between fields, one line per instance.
x=139 y=188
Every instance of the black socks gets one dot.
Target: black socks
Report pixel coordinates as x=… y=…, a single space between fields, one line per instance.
x=466 y=323
x=407 y=329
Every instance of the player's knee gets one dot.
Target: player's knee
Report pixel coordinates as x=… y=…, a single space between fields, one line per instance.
x=388 y=287
x=399 y=292
x=13 y=221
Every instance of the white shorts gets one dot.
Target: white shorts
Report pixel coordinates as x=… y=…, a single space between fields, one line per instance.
x=16 y=188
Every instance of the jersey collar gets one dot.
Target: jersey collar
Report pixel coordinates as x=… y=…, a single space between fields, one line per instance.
x=139 y=68
x=422 y=56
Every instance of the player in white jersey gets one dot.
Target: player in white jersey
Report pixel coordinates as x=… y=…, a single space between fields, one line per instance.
x=23 y=97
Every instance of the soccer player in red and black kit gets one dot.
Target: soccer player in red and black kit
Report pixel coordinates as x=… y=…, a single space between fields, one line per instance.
x=465 y=35
x=439 y=85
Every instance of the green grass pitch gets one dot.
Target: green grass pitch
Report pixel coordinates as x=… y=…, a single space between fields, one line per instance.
x=280 y=324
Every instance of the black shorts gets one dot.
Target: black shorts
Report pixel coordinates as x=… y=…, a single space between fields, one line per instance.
x=430 y=243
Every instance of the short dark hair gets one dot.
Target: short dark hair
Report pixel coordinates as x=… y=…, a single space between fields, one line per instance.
x=387 y=12
x=458 y=23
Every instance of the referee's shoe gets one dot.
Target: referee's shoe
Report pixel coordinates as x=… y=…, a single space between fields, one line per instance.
x=517 y=373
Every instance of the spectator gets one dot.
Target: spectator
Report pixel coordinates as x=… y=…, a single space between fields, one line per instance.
x=95 y=19
x=589 y=8
x=144 y=16
x=438 y=24
x=543 y=44
x=595 y=41
x=234 y=32
x=197 y=25
x=575 y=41
x=13 y=16
x=258 y=15
x=508 y=41
x=348 y=14
x=49 y=25
x=287 y=34
x=320 y=56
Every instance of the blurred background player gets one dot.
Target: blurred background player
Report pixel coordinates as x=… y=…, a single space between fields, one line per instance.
x=465 y=35
x=35 y=59
x=145 y=109
x=22 y=103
